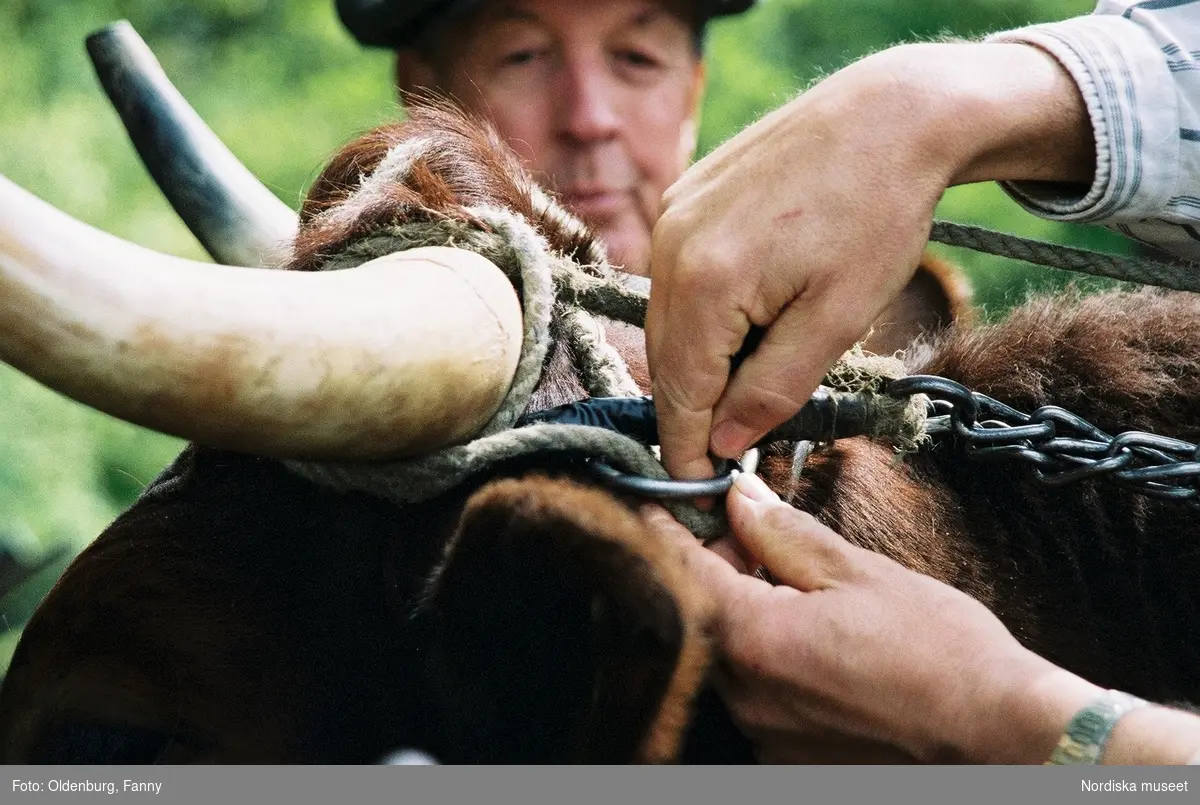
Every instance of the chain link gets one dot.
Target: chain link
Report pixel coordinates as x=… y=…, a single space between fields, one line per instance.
x=1061 y=447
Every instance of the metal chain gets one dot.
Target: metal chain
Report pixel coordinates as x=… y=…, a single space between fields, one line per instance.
x=1060 y=446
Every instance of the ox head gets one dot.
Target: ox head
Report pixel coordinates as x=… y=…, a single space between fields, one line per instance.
x=240 y=613
x=229 y=635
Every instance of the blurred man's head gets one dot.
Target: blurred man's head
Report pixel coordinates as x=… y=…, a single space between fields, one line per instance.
x=600 y=97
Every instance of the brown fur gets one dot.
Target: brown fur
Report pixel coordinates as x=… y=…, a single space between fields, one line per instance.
x=1099 y=579
x=540 y=549
x=937 y=295
x=469 y=167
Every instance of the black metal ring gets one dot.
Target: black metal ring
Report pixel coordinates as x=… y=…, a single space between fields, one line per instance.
x=666 y=489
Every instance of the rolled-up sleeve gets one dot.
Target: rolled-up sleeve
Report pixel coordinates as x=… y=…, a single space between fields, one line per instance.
x=1137 y=66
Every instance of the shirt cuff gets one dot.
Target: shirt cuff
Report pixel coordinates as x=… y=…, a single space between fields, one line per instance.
x=1133 y=106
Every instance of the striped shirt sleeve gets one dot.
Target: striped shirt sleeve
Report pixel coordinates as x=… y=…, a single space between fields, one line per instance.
x=1137 y=65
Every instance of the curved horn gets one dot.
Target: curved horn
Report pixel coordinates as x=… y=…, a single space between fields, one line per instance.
x=234 y=216
x=397 y=357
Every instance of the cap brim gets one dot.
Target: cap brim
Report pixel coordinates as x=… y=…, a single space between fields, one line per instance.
x=387 y=23
x=723 y=8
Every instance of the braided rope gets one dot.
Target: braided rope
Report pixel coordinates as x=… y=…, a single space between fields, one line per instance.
x=1180 y=277
x=602 y=371
x=602 y=295
x=550 y=286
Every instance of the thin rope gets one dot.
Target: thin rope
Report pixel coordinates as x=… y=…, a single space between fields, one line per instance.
x=1180 y=276
x=602 y=295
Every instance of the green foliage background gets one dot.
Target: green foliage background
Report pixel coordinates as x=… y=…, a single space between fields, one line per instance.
x=283 y=85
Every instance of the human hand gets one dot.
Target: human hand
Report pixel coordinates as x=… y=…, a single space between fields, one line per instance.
x=811 y=221
x=777 y=229
x=854 y=658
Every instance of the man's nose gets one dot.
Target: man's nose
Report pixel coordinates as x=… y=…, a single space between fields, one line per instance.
x=590 y=108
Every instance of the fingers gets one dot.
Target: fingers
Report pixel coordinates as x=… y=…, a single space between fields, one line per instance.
x=732 y=552
x=780 y=375
x=716 y=573
x=693 y=328
x=796 y=549
x=710 y=566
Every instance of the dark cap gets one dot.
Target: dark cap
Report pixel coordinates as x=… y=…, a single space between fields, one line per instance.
x=399 y=23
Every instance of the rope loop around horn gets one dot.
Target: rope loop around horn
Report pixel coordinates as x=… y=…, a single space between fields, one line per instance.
x=556 y=295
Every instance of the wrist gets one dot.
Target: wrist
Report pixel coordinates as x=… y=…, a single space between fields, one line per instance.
x=1026 y=710
x=982 y=111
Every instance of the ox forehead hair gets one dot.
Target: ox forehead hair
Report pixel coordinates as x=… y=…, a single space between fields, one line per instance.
x=393 y=169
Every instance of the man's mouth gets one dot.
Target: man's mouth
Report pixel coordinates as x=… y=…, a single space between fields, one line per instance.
x=595 y=204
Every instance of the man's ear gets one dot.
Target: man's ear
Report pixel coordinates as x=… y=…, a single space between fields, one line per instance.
x=414 y=75
x=699 y=83
x=690 y=132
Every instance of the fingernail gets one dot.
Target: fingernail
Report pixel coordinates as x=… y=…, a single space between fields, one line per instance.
x=750 y=485
x=731 y=438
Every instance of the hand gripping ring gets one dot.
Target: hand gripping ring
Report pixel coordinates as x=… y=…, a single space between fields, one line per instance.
x=659 y=489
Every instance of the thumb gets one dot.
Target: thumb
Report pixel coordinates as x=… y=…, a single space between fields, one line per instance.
x=796 y=549
x=779 y=376
x=715 y=570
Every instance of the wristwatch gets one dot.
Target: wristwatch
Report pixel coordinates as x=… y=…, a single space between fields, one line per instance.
x=1087 y=733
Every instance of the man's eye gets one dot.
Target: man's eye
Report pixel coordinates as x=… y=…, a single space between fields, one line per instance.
x=637 y=58
x=520 y=57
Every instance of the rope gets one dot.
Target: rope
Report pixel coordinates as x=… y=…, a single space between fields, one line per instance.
x=601 y=370
x=557 y=293
x=549 y=285
x=603 y=296
x=1177 y=276
x=517 y=249
x=859 y=378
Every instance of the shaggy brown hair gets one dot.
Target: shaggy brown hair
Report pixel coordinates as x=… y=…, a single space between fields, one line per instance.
x=1103 y=581
x=465 y=164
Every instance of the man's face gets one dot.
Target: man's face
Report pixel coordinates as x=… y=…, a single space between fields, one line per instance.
x=598 y=96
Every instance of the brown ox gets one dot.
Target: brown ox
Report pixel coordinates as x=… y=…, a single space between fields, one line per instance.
x=239 y=613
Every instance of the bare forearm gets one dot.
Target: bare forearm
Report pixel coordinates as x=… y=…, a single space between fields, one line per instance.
x=979 y=111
